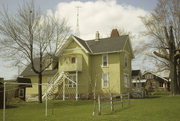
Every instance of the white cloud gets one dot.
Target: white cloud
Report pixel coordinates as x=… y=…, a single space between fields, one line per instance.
x=102 y=16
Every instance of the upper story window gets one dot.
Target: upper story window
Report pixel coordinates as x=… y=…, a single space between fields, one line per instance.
x=149 y=76
x=125 y=61
x=126 y=81
x=104 y=60
x=73 y=60
x=105 y=80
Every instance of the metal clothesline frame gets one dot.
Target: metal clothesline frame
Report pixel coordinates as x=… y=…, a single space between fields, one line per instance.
x=46 y=84
x=4 y=97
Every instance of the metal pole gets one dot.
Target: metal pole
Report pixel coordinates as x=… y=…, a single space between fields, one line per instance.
x=111 y=103
x=76 y=85
x=46 y=104
x=4 y=103
x=64 y=89
x=99 y=105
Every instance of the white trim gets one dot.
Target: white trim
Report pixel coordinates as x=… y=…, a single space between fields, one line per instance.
x=88 y=47
x=156 y=75
x=80 y=44
x=128 y=40
x=66 y=43
x=107 y=52
x=66 y=50
x=103 y=80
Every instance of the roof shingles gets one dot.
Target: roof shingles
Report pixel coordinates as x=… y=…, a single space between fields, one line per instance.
x=104 y=45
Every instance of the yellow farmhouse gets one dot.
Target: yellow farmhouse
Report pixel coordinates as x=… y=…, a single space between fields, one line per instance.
x=101 y=65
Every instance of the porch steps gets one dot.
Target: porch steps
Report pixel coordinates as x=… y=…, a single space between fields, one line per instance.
x=57 y=79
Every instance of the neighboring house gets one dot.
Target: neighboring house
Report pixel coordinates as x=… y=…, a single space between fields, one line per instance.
x=155 y=82
x=138 y=84
x=24 y=84
x=10 y=92
x=137 y=80
x=104 y=62
x=31 y=93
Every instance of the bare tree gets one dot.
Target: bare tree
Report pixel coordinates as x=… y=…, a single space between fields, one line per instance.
x=164 y=43
x=29 y=34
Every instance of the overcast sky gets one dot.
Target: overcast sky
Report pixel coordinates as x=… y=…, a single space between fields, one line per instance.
x=95 y=15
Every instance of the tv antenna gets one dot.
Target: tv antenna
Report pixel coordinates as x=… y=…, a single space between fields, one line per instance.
x=77 y=22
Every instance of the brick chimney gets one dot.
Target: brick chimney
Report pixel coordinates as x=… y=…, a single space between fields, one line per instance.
x=114 y=33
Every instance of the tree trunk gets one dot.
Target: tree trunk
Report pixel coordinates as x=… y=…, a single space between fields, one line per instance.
x=172 y=61
x=40 y=87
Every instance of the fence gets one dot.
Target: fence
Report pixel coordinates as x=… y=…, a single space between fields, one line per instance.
x=111 y=101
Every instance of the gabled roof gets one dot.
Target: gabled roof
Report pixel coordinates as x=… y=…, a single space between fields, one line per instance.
x=83 y=43
x=155 y=75
x=107 y=45
x=29 y=72
x=26 y=82
x=103 y=45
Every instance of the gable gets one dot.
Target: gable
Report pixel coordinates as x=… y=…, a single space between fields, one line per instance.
x=128 y=48
x=72 y=45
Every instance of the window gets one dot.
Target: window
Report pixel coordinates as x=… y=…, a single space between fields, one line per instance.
x=125 y=61
x=126 y=81
x=21 y=92
x=105 y=60
x=72 y=84
x=105 y=81
x=73 y=60
x=149 y=76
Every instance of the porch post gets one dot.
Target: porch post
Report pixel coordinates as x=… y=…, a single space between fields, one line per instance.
x=76 y=85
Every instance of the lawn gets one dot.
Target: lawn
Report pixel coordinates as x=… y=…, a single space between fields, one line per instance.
x=163 y=108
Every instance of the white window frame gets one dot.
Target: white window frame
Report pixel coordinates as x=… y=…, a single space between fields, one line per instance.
x=126 y=82
x=103 y=81
x=21 y=89
x=71 y=84
x=106 y=60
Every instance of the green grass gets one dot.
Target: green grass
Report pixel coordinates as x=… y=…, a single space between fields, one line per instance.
x=164 y=108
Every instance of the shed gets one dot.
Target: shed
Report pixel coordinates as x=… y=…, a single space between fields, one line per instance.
x=24 y=83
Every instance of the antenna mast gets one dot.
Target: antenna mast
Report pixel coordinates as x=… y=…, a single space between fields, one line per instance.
x=77 y=24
